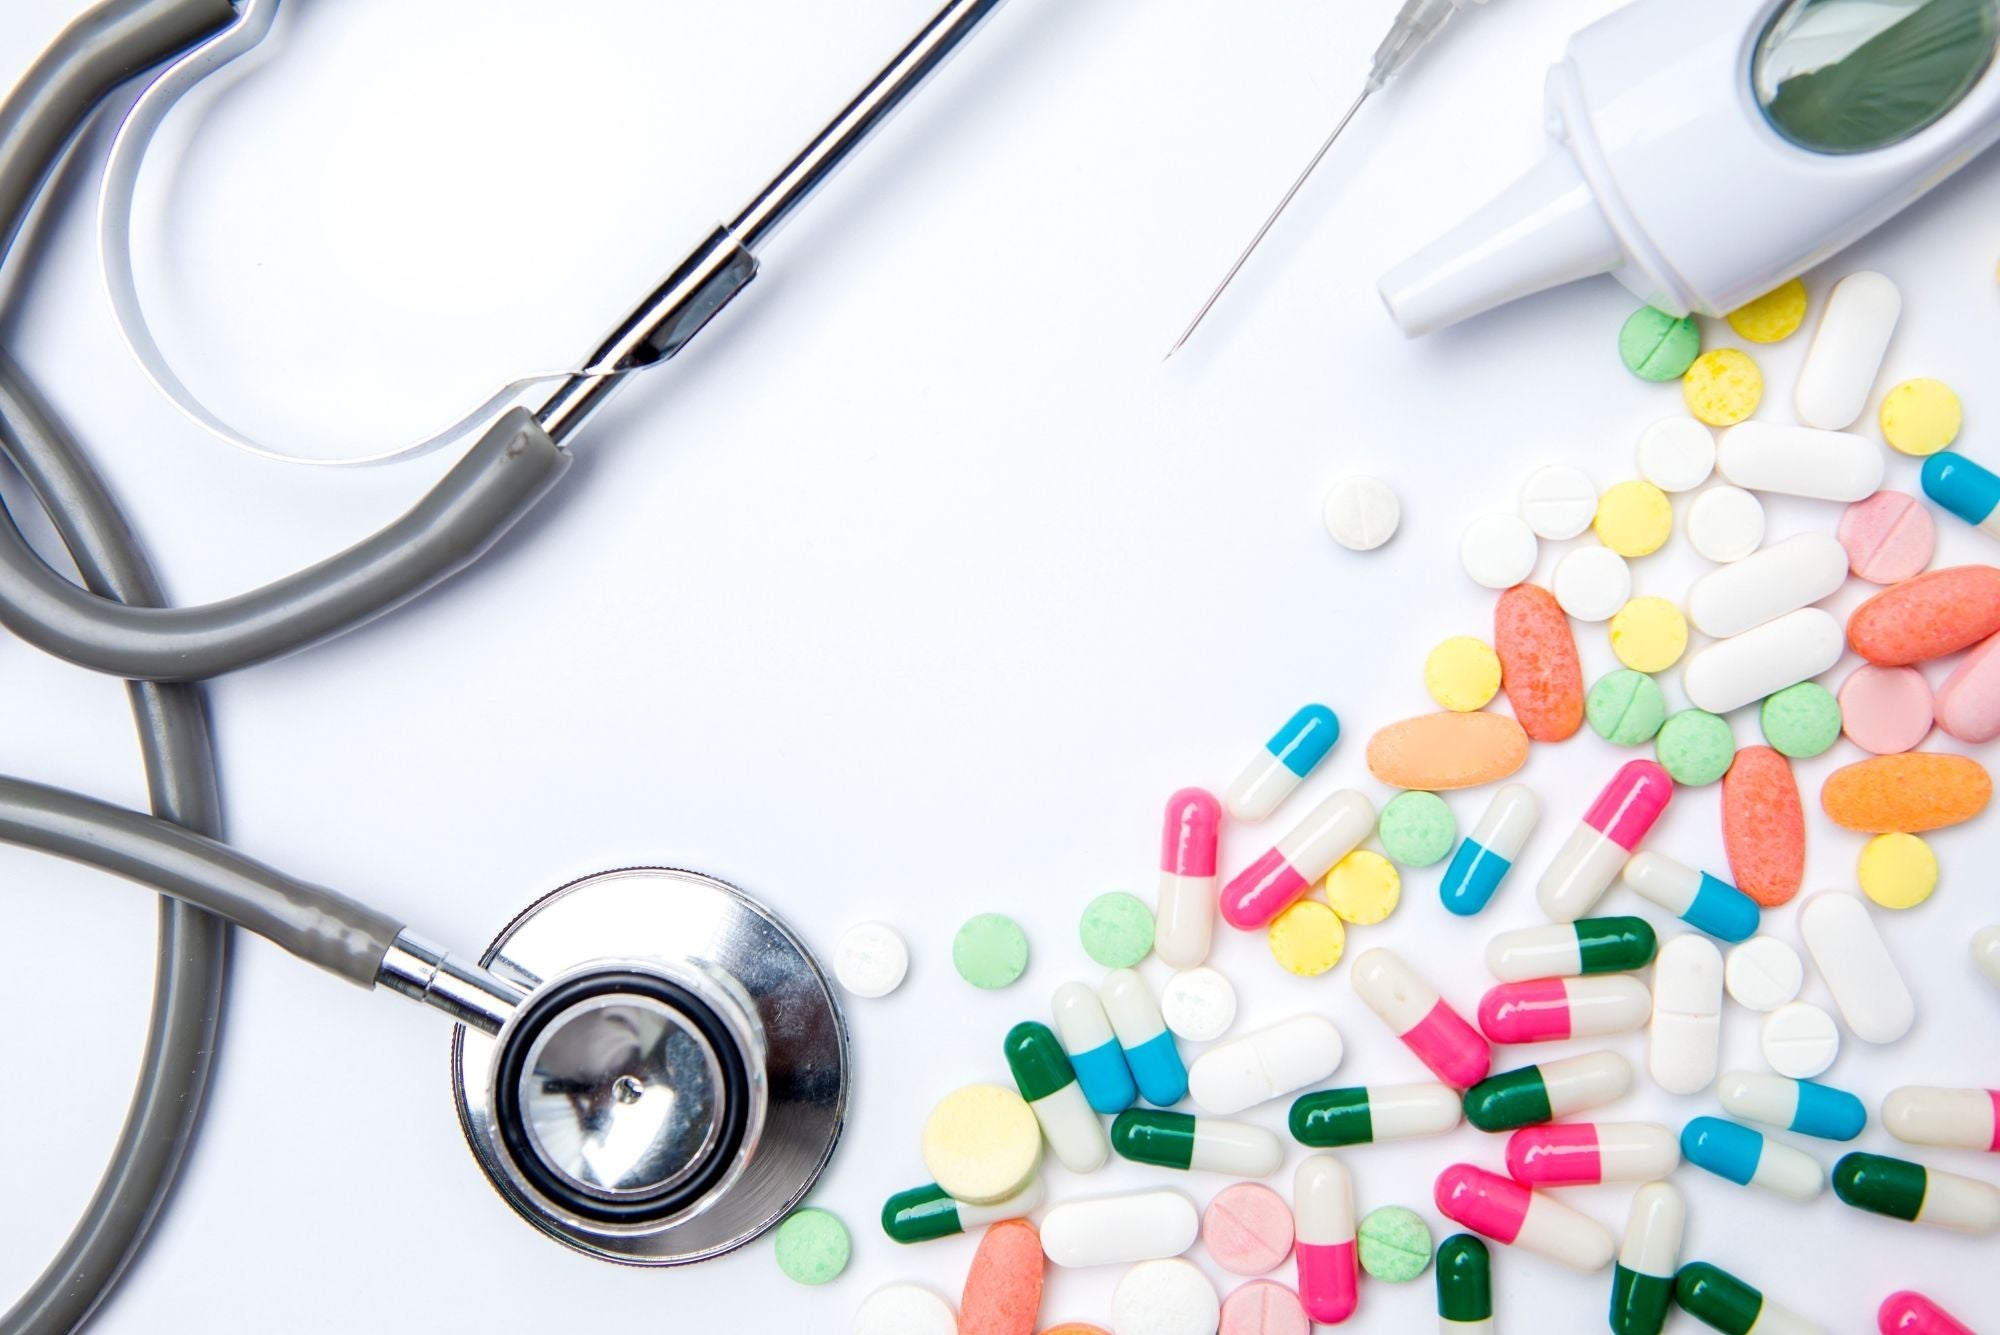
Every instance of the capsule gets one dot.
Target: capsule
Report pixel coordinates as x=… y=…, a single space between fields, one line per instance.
x=1143 y=1038
x=1416 y=1014
x=1986 y=952
x=1610 y=831
x=1364 y=1114
x=1507 y=1212
x=1804 y=1106
x=1184 y=919
x=1276 y=771
x=1271 y=884
x=1092 y=1047
x=1205 y=1144
x=1529 y=1095
x=1549 y=1009
x=1328 y=1260
x=1485 y=856
x=1719 y=1299
x=1642 y=1283
x=1907 y=1313
x=1464 y=1286
x=1959 y=1119
x=1737 y=1154
x=1704 y=902
x=1968 y=490
x=1580 y=1154
x=1685 y=1037
x=1920 y=1195
x=1244 y=1072
x=923 y=1213
x=1572 y=949
x=1048 y=1082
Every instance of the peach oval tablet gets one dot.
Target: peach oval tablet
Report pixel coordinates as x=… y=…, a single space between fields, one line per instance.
x=1264 y=1307
x=1441 y=752
x=1248 y=1229
x=1968 y=704
x=1764 y=826
x=1003 y=1290
x=1885 y=709
x=1539 y=668
x=1889 y=537
x=1907 y=794
x=1927 y=617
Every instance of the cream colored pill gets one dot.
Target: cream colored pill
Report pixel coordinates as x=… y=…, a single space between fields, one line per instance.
x=1676 y=453
x=1765 y=585
x=1847 y=350
x=1256 y=1068
x=1850 y=954
x=1119 y=1230
x=1725 y=523
x=1799 y=461
x=1592 y=583
x=1558 y=501
x=1799 y=1040
x=1734 y=672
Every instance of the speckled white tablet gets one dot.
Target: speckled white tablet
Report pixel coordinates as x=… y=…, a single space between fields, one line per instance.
x=1198 y=1004
x=1847 y=349
x=1799 y=1040
x=1498 y=551
x=1171 y=1297
x=1592 y=583
x=1362 y=513
x=1676 y=453
x=1725 y=523
x=1864 y=980
x=1558 y=501
x=904 y=1309
x=1763 y=973
x=871 y=959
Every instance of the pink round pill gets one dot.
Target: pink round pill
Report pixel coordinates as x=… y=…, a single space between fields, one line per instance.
x=1264 y=1307
x=1248 y=1229
x=1886 y=710
x=1889 y=537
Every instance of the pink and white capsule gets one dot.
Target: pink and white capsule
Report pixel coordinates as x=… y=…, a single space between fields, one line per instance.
x=1416 y=1014
x=1611 y=829
x=1547 y=1010
x=1329 y=1263
x=1270 y=885
x=1575 y=1154
x=1507 y=1212
x=1184 y=920
x=1959 y=1119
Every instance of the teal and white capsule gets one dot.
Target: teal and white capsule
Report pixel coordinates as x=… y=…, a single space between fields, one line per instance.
x=923 y=1213
x=1277 y=770
x=1047 y=1081
x=1809 y=1108
x=1911 y=1192
x=1967 y=489
x=1189 y=1143
x=1704 y=902
x=1642 y=1284
x=1748 y=1158
x=1717 y=1298
x=1486 y=855
x=1093 y=1050
x=1142 y=1034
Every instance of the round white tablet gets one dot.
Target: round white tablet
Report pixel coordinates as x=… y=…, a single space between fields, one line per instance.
x=1725 y=523
x=1592 y=583
x=1558 y=501
x=1763 y=973
x=1676 y=454
x=904 y=1309
x=871 y=959
x=1171 y=1297
x=1198 y=1004
x=1362 y=513
x=1498 y=551
x=1800 y=1040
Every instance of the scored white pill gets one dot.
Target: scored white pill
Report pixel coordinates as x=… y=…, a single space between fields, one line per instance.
x=1259 y=1067
x=1118 y=1230
x=1725 y=523
x=1765 y=585
x=1799 y=461
x=1558 y=501
x=1799 y=1040
x=871 y=959
x=1847 y=350
x=1198 y=1004
x=1763 y=973
x=1170 y=1297
x=1676 y=453
x=904 y=1309
x=1362 y=513
x=1851 y=957
x=1684 y=1039
x=1498 y=551
x=1734 y=672
x=1592 y=583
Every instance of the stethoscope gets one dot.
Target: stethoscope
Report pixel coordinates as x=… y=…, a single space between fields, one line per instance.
x=647 y=1063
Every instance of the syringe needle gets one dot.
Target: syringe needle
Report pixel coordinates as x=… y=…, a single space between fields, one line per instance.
x=1269 y=223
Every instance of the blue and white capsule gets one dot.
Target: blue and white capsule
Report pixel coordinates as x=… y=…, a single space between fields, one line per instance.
x=1803 y=1106
x=1087 y=1036
x=1965 y=488
x=1750 y=1159
x=1487 y=854
x=1149 y=1049
x=1286 y=759
x=1705 y=903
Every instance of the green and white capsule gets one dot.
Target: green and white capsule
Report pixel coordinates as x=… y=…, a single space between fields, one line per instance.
x=923 y=1213
x=1572 y=949
x=1048 y=1082
x=1642 y=1284
x=1719 y=1299
x=1533 y=1094
x=1910 y=1191
x=1363 y=1114
x=1207 y=1144
x=1465 y=1286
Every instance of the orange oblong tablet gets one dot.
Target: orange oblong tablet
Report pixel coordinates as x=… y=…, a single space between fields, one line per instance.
x=1764 y=826
x=1003 y=1291
x=1927 y=617
x=1439 y=752
x=1539 y=668
x=1907 y=793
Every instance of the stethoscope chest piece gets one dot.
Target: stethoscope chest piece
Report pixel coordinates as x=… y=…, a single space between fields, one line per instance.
x=676 y=1078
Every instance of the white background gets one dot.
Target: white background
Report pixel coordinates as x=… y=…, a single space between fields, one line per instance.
x=909 y=593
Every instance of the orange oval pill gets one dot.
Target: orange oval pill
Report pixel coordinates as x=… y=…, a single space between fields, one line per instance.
x=1444 y=751
x=1907 y=793
x=1539 y=668
x=1764 y=826
x=1927 y=617
x=1003 y=1291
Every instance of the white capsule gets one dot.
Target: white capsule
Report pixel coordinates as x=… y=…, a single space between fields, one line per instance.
x=1799 y=1040
x=1959 y=1119
x=1323 y=1202
x=1788 y=1172
x=1684 y=1042
x=1963 y=1203
x=1072 y=1129
x=1653 y=1231
x=1080 y=1021
x=1578 y=1084
x=1799 y=461
x=1765 y=585
x=1256 y=1068
x=1617 y=1004
x=1119 y=1230
x=1130 y=1006
x=1402 y=1112
x=1986 y=952
x=1582 y=871
x=1735 y=672
x=1763 y=973
x=1529 y=953
x=1393 y=990
x=1864 y=980
x=1020 y=1205
x=1184 y=922
x=1847 y=350
x=1330 y=831
x=1235 y=1148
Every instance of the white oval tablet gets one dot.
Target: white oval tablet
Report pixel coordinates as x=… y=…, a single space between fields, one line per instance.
x=1799 y=1040
x=1765 y=585
x=1592 y=583
x=1685 y=1037
x=1171 y=1297
x=1799 y=461
x=1676 y=453
x=1258 y=1067
x=1847 y=350
x=1118 y=1230
x=1362 y=513
x=1763 y=973
x=904 y=1309
x=1198 y=1004
x=871 y=960
x=1734 y=672
x=1850 y=955
x=1498 y=551
x=1725 y=523
x=1558 y=501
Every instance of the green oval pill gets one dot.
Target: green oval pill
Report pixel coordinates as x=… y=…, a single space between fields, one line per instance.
x=1395 y=1244
x=1801 y=721
x=1464 y=1279
x=1657 y=346
x=1626 y=708
x=1117 y=930
x=1417 y=829
x=1695 y=747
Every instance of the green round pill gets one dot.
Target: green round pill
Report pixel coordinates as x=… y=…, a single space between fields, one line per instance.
x=812 y=1247
x=1416 y=829
x=1695 y=747
x=1395 y=1244
x=1658 y=346
x=1117 y=930
x=990 y=951
x=1801 y=721
x=1626 y=708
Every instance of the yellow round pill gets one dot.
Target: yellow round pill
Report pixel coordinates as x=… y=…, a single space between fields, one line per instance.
x=1921 y=417
x=1898 y=871
x=1723 y=386
x=1463 y=674
x=1634 y=519
x=982 y=1143
x=1649 y=634
x=1363 y=887
x=1307 y=938
x=1774 y=316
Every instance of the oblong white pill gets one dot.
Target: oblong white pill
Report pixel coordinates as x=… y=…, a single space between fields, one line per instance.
x=1765 y=585
x=1684 y=1039
x=1864 y=980
x=1170 y=1297
x=1498 y=551
x=1732 y=673
x=1725 y=523
x=1763 y=973
x=1799 y=461
x=1592 y=583
x=1198 y=1004
x=1847 y=350
x=904 y=1309
x=1118 y=1230
x=1258 y=1067
x=1362 y=513
x=871 y=959
x=1558 y=501
x=1799 y=1040
x=1676 y=453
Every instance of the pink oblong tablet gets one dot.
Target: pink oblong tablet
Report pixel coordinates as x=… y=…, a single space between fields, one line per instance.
x=1263 y=1307
x=1968 y=704
x=1889 y=537
x=1248 y=1230
x=1886 y=710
